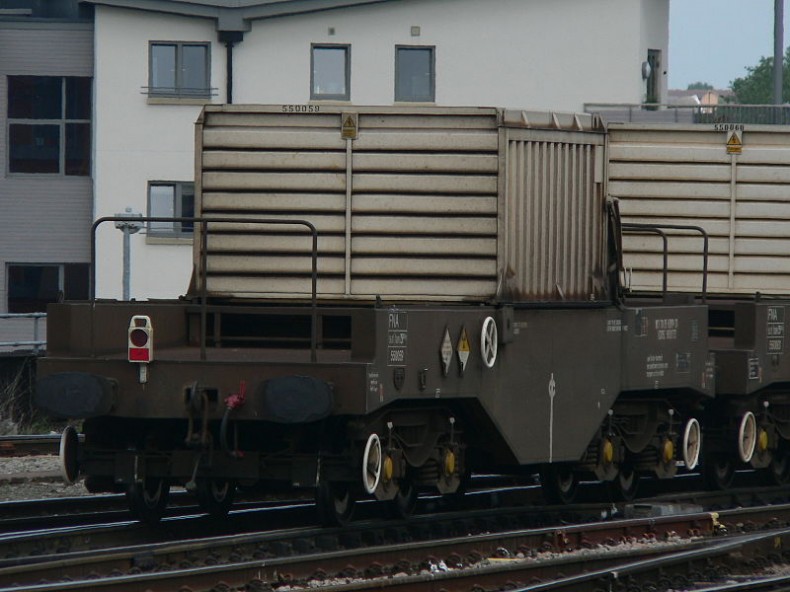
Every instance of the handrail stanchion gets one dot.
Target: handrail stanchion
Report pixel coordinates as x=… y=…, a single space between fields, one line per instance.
x=699 y=229
x=203 y=293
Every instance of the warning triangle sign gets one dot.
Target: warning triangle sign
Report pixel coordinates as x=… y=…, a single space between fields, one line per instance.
x=349 y=129
x=734 y=143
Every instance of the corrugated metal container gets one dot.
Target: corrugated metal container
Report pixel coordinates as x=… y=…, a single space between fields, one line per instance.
x=413 y=204
x=732 y=180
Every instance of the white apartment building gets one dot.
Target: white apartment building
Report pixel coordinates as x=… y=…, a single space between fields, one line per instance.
x=158 y=61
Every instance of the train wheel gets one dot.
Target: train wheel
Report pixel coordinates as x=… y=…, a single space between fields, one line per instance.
x=148 y=500
x=405 y=501
x=747 y=436
x=625 y=485
x=692 y=441
x=719 y=472
x=215 y=496
x=334 y=503
x=559 y=483
x=372 y=463
x=779 y=469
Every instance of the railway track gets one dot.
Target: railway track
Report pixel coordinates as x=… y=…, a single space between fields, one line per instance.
x=32 y=445
x=495 y=542
x=482 y=552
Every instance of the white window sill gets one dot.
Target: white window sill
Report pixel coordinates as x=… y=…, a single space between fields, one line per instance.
x=168 y=240
x=179 y=101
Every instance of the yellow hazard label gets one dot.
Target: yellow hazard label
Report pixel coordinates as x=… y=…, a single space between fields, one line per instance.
x=734 y=143
x=349 y=128
x=463 y=342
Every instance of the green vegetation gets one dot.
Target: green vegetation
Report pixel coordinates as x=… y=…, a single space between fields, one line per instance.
x=757 y=87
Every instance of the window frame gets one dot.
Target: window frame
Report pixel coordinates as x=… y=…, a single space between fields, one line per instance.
x=178 y=92
x=398 y=95
x=315 y=96
x=177 y=231
x=63 y=123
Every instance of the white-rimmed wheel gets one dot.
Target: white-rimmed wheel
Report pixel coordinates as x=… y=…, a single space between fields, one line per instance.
x=372 y=460
x=747 y=436
x=692 y=442
x=489 y=341
x=69 y=443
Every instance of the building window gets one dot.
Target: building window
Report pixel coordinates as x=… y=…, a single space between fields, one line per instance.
x=171 y=200
x=179 y=70
x=31 y=286
x=330 y=76
x=415 y=74
x=49 y=125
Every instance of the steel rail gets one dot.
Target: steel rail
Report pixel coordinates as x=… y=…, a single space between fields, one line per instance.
x=32 y=445
x=302 y=567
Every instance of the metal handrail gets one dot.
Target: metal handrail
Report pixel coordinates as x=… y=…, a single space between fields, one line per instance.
x=701 y=113
x=633 y=226
x=663 y=235
x=36 y=343
x=205 y=221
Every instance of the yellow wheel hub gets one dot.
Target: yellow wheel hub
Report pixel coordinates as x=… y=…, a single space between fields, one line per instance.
x=387 y=469
x=669 y=450
x=762 y=440
x=449 y=463
x=607 y=451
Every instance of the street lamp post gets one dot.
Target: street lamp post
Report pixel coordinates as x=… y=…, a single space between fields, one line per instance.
x=128 y=227
x=778 y=50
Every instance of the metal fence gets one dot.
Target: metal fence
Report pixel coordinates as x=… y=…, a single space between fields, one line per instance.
x=661 y=113
x=22 y=332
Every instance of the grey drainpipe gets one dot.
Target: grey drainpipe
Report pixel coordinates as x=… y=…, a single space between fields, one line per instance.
x=230 y=38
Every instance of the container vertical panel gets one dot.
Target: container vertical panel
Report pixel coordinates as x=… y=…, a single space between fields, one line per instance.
x=555 y=218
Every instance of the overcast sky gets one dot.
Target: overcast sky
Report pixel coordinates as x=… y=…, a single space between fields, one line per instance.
x=715 y=40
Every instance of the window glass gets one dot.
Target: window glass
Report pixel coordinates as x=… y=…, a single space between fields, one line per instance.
x=34 y=148
x=171 y=200
x=163 y=67
x=35 y=97
x=179 y=69
x=193 y=69
x=187 y=202
x=32 y=287
x=78 y=148
x=78 y=98
x=414 y=76
x=162 y=204
x=330 y=73
x=46 y=134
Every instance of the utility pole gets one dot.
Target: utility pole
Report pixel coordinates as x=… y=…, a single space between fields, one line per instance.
x=129 y=227
x=778 y=50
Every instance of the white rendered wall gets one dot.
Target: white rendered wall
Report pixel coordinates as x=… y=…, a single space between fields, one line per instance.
x=544 y=54
x=136 y=142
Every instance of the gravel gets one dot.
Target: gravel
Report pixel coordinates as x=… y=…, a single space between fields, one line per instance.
x=34 y=477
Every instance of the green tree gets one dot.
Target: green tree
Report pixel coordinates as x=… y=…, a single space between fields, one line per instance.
x=699 y=86
x=757 y=87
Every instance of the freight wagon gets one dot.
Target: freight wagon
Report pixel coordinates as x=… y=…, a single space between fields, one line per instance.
x=385 y=300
